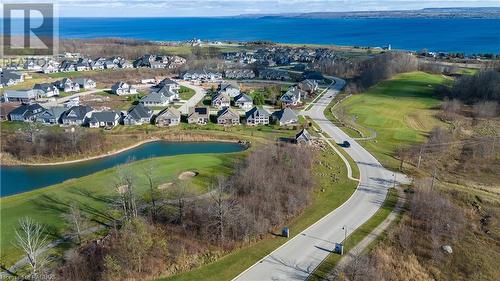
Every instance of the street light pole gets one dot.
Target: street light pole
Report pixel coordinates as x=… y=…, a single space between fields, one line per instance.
x=345 y=235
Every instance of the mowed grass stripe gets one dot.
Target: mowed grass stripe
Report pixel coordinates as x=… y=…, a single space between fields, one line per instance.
x=401 y=110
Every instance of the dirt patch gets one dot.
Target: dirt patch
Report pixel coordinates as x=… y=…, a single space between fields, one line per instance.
x=187 y=175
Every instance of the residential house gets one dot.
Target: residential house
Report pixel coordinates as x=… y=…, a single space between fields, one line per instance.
x=168 y=117
x=303 y=137
x=274 y=74
x=33 y=64
x=67 y=66
x=125 y=64
x=26 y=112
x=257 y=116
x=243 y=101
x=309 y=86
x=76 y=115
x=51 y=116
x=73 y=101
x=155 y=99
x=201 y=75
x=169 y=91
x=221 y=100
x=109 y=64
x=10 y=77
x=49 y=90
x=122 y=88
x=97 y=65
x=85 y=83
x=67 y=85
x=103 y=119
x=198 y=115
x=239 y=74
x=22 y=95
x=229 y=89
x=285 y=116
x=138 y=115
x=170 y=83
x=228 y=117
x=292 y=97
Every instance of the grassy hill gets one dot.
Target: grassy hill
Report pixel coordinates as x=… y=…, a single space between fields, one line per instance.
x=400 y=110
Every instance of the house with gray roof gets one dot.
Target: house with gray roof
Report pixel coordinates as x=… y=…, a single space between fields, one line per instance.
x=170 y=92
x=303 y=137
x=170 y=83
x=239 y=74
x=221 y=100
x=168 y=117
x=198 y=115
x=292 y=97
x=66 y=85
x=121 y=88
x=76 y=115
x=51 y=116
x=228 y=117
x=243 y=101
x=155 y=99
x=257 y=116
x=103 y=119
x=85 y=83
x=138 y=115
x=229 y=89
x=10 y=77
x=49 y=90
x=26 y=112
x=285 y=116
x=309 y=86
x=22 y=95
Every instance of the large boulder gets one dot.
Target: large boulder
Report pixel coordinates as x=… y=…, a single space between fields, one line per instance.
x=447 y=249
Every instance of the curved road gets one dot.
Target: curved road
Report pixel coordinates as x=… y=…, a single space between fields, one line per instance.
x=297 y=259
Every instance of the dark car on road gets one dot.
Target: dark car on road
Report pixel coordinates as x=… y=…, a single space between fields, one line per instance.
x=346 y=144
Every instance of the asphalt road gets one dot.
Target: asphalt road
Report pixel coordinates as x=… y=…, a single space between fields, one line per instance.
x=298 y=258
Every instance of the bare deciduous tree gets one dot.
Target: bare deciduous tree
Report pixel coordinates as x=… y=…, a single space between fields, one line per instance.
x=32 y=240
x=76 y=220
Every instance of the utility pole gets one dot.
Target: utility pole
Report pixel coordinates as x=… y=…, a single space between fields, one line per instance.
x=345 y=235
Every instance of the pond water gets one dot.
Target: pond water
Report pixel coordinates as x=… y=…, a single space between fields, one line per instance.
x=17 y=179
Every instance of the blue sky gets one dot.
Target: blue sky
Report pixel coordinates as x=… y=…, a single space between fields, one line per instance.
x=183 y=8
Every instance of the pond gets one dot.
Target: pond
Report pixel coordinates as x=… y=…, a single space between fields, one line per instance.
x=17 y=179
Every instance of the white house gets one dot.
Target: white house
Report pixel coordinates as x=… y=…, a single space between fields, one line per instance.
x=123 y=88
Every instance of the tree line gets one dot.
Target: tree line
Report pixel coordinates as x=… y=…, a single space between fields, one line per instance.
x=164 y=232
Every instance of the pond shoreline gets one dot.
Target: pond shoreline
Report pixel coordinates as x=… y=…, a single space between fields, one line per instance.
x=110 y=153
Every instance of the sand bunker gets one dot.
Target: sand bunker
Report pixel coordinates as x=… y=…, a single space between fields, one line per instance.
x=187 y=175
x=165 y=185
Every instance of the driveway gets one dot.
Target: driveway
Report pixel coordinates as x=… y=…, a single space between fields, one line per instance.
x=195 y=99
x=297 y=259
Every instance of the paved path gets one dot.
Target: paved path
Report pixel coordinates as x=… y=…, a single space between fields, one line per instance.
x=195 y=99
x=297 y=259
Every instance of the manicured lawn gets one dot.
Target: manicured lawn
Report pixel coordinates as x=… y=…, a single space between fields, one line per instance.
x=186 y=93
x=337 y=190
x=359 y=234
x=401 y=111
x=94 y=192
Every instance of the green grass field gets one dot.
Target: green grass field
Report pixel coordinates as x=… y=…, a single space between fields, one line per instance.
x=336 y=192
x=186 y=93
x=401 y=110
x=93 y=192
